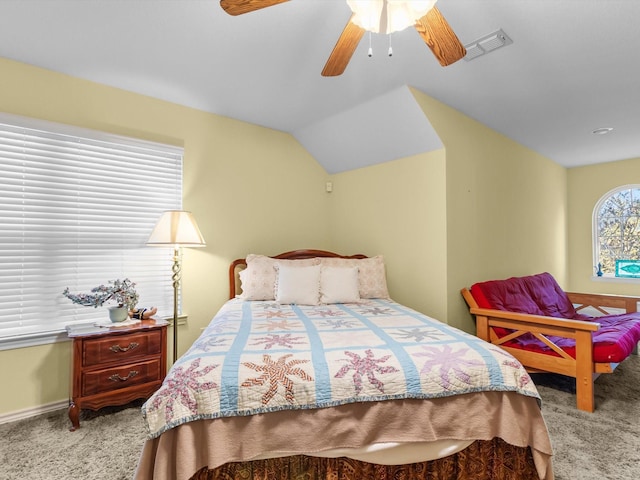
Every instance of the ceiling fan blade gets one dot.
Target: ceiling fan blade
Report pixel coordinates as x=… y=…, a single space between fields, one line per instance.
x=238 y=7
x=441 y=39
x=343 y=51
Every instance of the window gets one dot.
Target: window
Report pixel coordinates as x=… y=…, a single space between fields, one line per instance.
x=616 y=228
x=76 y=209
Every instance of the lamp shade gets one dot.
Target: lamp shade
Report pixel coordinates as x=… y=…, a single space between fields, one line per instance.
x=387 y=16
x=176 y=228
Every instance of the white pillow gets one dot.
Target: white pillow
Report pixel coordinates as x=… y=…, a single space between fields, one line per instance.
x=371 y=274
x=339 y=285
x=258 y=280
x=299 y=285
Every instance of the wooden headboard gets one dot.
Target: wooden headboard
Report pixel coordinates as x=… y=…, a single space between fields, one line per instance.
x=240 y=263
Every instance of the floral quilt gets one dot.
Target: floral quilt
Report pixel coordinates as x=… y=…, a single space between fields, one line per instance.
x=261 y=356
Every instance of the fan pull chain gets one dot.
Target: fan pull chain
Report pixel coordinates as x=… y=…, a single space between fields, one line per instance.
x=389 y=52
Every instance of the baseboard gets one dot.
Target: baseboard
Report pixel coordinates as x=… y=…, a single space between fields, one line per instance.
x=33 y=411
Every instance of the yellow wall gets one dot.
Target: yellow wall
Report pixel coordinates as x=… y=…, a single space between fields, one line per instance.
x=586 y=186
x=244 y=184
x=398 y=209
x=506 y=207
x=482 y=207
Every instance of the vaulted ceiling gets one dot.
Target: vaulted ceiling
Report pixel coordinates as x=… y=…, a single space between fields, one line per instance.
x=572 y=68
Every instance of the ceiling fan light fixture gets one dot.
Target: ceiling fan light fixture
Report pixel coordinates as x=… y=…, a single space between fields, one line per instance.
x=378 y=16
x=400 y=14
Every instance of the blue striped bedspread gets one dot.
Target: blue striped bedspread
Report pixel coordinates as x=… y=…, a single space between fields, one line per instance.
x=259 y=356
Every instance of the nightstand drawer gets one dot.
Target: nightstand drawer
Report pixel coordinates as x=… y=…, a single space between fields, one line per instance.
x=114 y=378
x=121 y=348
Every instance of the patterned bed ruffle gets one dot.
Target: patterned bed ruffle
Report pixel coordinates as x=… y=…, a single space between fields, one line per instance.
x=482 y=460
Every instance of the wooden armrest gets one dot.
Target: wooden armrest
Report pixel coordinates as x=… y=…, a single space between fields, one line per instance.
x=595 y=300
x=540 y=320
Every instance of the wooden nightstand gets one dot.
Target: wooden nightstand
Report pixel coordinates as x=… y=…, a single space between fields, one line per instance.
x=115 y=365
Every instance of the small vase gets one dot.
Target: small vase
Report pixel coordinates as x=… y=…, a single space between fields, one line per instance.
x=118 y=314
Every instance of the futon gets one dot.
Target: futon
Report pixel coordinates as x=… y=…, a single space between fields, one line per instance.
x=543 y=326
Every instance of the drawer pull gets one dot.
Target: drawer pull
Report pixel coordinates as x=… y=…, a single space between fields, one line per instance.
x=117 y=378
x=118 y=348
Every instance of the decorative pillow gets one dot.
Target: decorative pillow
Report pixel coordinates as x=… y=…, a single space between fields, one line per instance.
x=372 y=278
x=299 y=285
x=259 y=278
x=339 y=285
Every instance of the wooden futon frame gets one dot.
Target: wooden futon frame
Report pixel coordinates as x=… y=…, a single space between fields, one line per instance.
x=582 y=367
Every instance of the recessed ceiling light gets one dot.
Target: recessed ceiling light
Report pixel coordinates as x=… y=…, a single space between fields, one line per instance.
x=602 y=131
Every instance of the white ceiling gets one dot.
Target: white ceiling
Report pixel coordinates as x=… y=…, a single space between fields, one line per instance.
x=573 y=67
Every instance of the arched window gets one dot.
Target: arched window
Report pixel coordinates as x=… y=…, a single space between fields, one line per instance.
x=616 y=231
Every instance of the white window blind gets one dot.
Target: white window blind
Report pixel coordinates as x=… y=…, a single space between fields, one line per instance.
x=76 y=209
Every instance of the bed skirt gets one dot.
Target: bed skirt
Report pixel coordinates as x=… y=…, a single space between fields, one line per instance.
x=482 y=460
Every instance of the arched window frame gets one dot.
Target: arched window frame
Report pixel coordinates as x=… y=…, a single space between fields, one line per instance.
x=597 y=258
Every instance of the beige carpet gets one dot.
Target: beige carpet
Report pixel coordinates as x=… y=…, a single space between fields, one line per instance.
x=604 y=445
x=105 y=447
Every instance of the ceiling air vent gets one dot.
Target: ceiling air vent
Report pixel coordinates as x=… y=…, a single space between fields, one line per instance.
x=486 y=44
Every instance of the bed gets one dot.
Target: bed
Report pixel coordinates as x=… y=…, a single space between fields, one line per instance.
x=310 y=371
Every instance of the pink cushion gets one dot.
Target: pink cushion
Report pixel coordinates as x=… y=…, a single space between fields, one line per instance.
x=541 y=295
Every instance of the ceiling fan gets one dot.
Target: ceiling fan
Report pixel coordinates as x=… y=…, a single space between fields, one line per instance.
x=432 y=27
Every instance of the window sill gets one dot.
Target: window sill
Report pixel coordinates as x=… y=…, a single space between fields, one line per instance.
x=613 y=279
x=182 y=319
x=32 y=340
x=46 y=338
